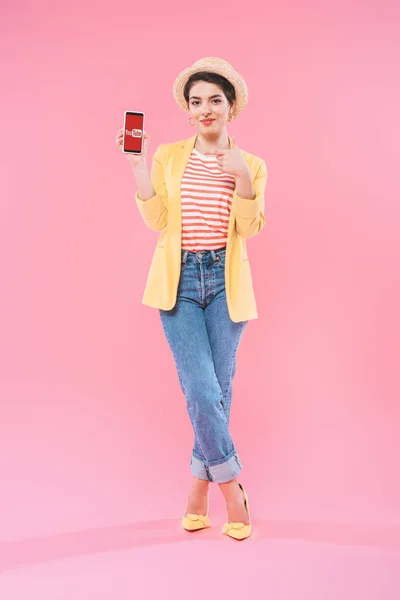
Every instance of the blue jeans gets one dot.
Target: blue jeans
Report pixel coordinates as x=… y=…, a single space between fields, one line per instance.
x=204 y=341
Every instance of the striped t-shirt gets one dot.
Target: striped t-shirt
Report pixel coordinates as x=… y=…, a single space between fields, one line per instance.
x=206 y=195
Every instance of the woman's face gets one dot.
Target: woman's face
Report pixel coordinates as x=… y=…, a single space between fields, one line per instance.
x=208 y=101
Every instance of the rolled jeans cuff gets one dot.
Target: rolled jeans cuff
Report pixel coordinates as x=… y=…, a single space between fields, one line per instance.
x=220 y=473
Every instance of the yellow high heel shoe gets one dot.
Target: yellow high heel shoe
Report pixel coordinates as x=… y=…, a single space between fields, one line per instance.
x=238 y=531
x=193 y=522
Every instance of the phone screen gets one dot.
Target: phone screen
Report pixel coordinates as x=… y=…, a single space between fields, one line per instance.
x=133 y=132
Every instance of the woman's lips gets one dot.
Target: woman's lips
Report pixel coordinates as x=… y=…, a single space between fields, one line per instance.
x=208 y=121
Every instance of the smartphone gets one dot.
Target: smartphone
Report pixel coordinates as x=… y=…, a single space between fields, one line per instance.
x=133 y=132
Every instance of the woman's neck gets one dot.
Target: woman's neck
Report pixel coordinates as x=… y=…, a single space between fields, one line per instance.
x=206 y=143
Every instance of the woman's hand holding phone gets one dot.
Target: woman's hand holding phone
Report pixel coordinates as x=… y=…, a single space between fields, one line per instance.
x=135 y=160
x=144 y=185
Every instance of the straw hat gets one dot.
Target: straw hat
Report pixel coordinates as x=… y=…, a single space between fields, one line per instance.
x=214 y=65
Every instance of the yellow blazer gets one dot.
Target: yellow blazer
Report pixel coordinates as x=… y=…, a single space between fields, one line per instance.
x=163 y=213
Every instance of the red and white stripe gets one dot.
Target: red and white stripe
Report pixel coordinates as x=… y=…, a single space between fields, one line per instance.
x=206 y=195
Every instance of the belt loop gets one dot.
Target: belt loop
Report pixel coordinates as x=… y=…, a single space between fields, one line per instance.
x=214 y=256
x=185 y=253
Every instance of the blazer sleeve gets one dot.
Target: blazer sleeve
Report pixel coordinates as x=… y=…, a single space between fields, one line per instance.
x=249 y=214
x=154 y=211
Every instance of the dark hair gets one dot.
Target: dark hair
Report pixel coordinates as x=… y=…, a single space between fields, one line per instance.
x=219 y=80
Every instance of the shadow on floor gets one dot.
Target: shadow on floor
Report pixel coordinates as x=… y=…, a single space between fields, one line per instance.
x=108 y=539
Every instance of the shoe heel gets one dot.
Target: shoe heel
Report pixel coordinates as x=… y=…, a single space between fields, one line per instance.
x=246 y=500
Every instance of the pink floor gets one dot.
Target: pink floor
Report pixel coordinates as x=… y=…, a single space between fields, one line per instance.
x=156 y=559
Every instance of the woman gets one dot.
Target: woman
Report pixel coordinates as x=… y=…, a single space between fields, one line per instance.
x=205 y=196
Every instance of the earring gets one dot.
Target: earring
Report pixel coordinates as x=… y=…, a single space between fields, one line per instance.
x=192 y=124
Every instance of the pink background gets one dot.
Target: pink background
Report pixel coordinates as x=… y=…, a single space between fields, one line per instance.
x=94 y=431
